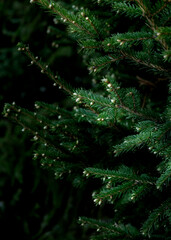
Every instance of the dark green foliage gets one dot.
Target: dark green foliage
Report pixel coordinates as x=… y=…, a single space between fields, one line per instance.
x=119 y=128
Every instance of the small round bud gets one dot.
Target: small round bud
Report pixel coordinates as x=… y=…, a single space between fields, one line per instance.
x=35 y=138
x=109 y=85
x=113 y=100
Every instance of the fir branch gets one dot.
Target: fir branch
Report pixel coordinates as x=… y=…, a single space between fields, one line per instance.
x=165 y=177
x=160 y=6
x=126 y=231
x=122 y=174
x=45 y=68
x=147 y=14
x=152 y=222
x=130 y=10
x=82 y=24
x=109 y=194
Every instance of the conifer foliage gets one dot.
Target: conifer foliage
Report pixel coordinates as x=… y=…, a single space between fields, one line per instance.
x=118 y=130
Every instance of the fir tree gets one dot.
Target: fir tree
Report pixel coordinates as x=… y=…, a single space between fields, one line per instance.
x=119 y=129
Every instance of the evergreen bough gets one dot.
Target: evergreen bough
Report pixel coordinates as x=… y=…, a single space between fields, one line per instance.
x=108 y=127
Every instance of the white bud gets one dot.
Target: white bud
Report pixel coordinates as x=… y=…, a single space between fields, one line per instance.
x=59 y=117
x=23 y=129
x=91 y=103
x=42 y=71
x=36 y=105
x=78 y=99
x=35 y=138
x=55 y=84
x=19 y=49
x=45 y=127
x=109 y=85
x=113 y=100
x=32 y=62
x=87 y=18
x=13 y=103
x=104 y=80
x=108 y=44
